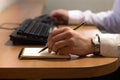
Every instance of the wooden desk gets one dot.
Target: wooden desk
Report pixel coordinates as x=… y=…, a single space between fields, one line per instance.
x=12 y=68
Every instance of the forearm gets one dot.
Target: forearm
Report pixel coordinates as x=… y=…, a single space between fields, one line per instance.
x=90 y=18
x=103 y=20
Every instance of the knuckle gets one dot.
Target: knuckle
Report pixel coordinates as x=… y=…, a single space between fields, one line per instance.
x=69 y=33
x=52 y=39
x=55 y=47
x=71 y=41
x=52 y=33
x=67 y=28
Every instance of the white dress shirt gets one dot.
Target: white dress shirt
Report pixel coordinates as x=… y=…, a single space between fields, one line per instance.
x=109 y=21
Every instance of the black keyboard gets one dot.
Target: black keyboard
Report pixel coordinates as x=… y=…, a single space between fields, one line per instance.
x=33 y=31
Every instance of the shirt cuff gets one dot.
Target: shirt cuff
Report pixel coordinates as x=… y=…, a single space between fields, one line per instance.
x=75 y=16
x=109 y=45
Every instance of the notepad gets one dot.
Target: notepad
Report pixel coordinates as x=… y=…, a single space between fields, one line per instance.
x=33 y=53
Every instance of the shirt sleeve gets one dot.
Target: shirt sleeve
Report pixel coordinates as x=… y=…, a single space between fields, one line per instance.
x=109 y=20
x=110 y=45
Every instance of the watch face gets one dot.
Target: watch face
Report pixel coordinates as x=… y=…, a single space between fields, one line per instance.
x=96 y=44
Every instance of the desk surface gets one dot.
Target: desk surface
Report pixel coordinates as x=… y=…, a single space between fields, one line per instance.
x=12 y=67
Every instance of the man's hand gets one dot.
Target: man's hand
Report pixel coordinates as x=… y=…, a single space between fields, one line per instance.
x=68 y=41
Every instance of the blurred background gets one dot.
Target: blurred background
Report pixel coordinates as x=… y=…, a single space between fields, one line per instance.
x=94 y=5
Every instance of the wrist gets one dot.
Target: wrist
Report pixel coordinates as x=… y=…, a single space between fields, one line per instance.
x=75 y=16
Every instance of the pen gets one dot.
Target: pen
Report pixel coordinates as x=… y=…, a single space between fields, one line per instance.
x=43 y=49
x=79 y=26
x=73 y=29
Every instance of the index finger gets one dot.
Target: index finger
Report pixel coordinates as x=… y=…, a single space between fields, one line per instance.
x=56 y=32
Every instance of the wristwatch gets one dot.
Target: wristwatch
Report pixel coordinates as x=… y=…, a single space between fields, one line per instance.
x=96 y=43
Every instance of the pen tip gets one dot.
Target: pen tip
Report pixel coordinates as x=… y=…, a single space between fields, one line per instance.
x=43 y=49
x=40 y=51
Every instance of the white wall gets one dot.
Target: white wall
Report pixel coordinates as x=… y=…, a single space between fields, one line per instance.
x=5 y=3
x=94 y=5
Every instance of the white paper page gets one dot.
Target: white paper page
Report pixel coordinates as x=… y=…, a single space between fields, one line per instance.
x=35 y=52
